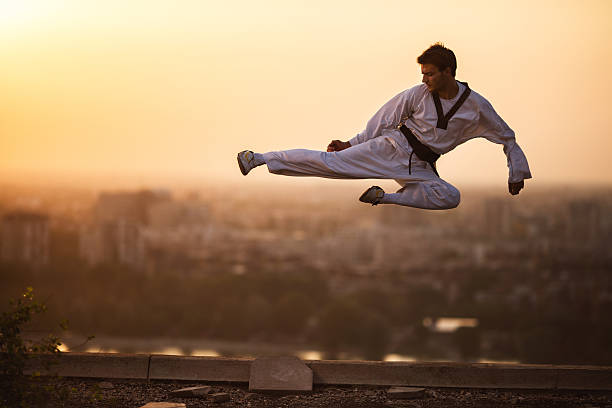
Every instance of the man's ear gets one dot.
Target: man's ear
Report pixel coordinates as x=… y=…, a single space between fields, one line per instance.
x=447 y=71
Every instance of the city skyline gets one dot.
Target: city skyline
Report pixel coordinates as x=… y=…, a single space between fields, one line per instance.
x=281 y=269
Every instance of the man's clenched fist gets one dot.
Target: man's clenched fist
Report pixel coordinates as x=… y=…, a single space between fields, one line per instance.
x=514 y=188
x=337 y=145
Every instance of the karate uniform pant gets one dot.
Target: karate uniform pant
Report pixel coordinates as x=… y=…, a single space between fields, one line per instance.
x=384 y=157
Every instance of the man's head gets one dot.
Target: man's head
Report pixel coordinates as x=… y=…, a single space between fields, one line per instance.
x=438 y=66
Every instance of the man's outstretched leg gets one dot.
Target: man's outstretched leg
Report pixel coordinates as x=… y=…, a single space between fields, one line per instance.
x=378 y=158
x=372 y=195
x=247 y=160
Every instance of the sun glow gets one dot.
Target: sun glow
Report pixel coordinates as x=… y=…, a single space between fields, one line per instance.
x=22 y=13
x=87 y=85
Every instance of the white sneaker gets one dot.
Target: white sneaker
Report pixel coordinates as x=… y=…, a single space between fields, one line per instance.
x=246 y=161
x=372 y=195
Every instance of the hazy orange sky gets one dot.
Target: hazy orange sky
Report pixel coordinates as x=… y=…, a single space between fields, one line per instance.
x=150 y=90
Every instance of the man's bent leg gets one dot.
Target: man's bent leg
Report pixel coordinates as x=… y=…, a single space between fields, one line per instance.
x=434 y=194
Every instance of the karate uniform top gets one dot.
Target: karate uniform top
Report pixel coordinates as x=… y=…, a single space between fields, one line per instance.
x=475 y=118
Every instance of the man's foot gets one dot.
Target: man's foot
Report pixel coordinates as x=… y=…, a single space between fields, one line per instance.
x=246 y=161
x=372 y=195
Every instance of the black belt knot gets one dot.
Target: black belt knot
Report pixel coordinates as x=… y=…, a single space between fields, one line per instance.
x=423 y=152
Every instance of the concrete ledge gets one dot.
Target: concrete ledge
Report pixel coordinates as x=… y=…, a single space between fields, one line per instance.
x=584 y=378
x=163 y=367
x=434 y=374
x=94 y=365
x=199 y=368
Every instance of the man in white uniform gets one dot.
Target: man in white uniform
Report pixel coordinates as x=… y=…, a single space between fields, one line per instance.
x=405 y=137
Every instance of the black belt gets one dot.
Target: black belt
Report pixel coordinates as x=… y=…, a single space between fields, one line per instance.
x=423 y=152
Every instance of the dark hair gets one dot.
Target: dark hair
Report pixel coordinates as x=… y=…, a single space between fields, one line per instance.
x=440 y=56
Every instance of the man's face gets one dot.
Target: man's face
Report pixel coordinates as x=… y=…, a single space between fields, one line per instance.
x=433 y=78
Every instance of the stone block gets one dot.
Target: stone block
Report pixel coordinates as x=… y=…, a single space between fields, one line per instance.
x=280 y=374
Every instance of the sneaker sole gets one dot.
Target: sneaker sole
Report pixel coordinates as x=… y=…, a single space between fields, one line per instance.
x=242 y=169
x=365 y=194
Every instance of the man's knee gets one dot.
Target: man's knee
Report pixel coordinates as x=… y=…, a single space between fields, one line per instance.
x=454 y=197
x=445 y=196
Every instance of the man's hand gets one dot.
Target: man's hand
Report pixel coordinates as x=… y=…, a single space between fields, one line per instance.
x=514 y=188
x=337 y=145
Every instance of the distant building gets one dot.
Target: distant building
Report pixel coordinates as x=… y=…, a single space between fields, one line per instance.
x=116 y=241
x=169 y=215
x=498 y=217
x=585 y=220
x=116 y=232
x=131 y=206
x=25 y=238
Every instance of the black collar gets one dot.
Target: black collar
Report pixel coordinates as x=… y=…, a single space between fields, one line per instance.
x=442 y=118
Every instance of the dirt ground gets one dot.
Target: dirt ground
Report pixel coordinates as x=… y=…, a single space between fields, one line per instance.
x=75 y=392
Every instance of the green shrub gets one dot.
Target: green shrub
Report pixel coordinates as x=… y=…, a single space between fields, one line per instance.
x=16 y=389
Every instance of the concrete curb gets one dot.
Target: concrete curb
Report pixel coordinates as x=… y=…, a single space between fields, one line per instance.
x=584 y=378
x=163 y=367
x=435 y=374
x=199 y=368
x=93 y=365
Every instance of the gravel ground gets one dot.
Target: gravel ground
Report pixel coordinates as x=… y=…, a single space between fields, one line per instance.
x=90 y=393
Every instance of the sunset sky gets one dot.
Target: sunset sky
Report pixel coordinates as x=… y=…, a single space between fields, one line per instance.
x=156 y=90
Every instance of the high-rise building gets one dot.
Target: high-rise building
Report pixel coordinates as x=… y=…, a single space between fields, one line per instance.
x=25 y=238
x=116 y=241
x=585 y=220
x=131 y=206
x=498 y=217
x=115 y=234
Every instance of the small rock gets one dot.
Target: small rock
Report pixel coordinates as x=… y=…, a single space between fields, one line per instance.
x=434 y=394
x=402 y=404
x=164 y=405
x=250 y=395
x=405 y=392
x=220 y=397
x=105 y=385
x=192 y=392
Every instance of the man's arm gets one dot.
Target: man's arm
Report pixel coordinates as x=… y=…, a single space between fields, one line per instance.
x=493 y=128
x=387 y=117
